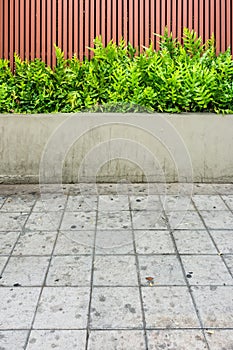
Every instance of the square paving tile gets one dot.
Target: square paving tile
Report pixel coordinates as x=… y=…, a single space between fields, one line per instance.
x=206 y=270
x=120 y=340
x=176 y=339
x=63 y=308
x=115 y=307
x=209 y=202
x=182 y=220
x=115 y=271
x=54 y=339
x=2 y=200
x=17 y=307
x=113 y=203
x=25 y=271
x=114 y=242
x=82 y=203
x=223 y=240
x=148 y=220
x=218 y=219
x=13 y=340
x=166 y=270
x=114 y=220
x=225 y=189
x=199 y=188
x=153 y=242
x=215 y=306
x=79 y=221
x=35 y=243
x=19 y=203
x=220 y=339
x=7 y=241
x=177 y=203
x=48 y=202
x=151 y=203
x=43 y=221
x=12 y=221
x=75 y=242
x=3 y=260
x=169 y=307
x=194 y=242
x=70 y=271
x=228 y=200
x=229 y=261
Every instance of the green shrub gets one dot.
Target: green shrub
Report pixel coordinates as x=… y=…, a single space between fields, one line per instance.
x=186 y=77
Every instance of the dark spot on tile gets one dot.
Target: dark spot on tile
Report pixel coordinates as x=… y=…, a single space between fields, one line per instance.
x=189 y=275
x=32 y=341
x=213 y=288
x=16 y=285
x=138 y=200
x=73 y=226
x=57 y=280
x=130 y=308
x=102 y=298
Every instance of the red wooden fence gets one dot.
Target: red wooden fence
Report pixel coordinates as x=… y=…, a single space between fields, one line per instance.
x=31 y=27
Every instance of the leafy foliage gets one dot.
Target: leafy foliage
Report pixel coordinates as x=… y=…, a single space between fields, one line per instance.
x=187 y=77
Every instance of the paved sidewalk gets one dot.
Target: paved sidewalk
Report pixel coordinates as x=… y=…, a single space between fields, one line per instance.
x=126 y=267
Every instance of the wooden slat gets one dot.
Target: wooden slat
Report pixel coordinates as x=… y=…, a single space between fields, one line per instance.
x=190 y=14
x=218 y=25
x=97 y=19
x=185 y=13
x=1 y=30
x=22 y=30
x=76 y=29
x=125 y=20
x=49 y=21
x=152 y=20
x=87 y=28
x=81 y=29
x=60 y=23
x=6 y=30
x=174 y=15
x=54 y=30
x=109 y=20
x=70 y=28
x=228 y=23
x=27 y=29
x=38 y=29
x=201 y=27
x=223 y=25
x=212 y=17
x=157 y=23
x=114 y=20
x=207 y=20
x=33 y=27
x=179 y=19
x=120 y=20
x=11 y=53
x=163 y=17
x=130 y=22
x=169 y=9
x=103 y=21
x=147 y=28
x=196 y=16
x=92 y=22
x=65 y=28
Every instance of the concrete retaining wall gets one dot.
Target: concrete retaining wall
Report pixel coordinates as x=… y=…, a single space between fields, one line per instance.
x=114 y=147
